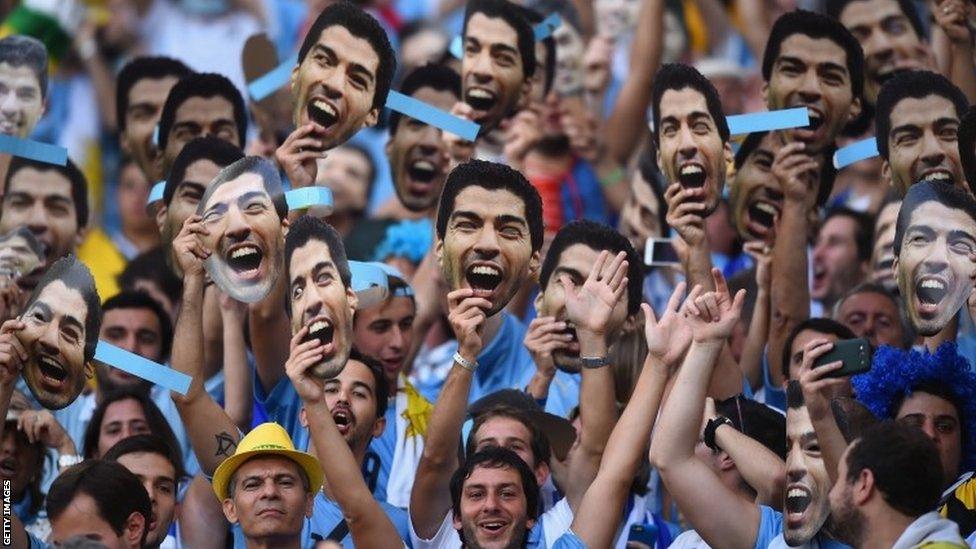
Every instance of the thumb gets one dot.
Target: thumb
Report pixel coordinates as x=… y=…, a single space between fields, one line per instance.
x=649 y=317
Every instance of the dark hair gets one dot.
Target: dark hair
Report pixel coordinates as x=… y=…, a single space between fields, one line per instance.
x=819 y=325
x=130 y=299
x=967 y=147
x=493 y=177
x=148 y=444
x=154 y=417
x=210 y=148
x=76 y=276
x=361 y=25
x=70 y=171
x=256 y=165
x=908 y=333
x=863 y=228
x=948 y=194
x=151 y=265
x=596 y=236
x=143 y=68
x=33 y=487
x=206 y=85
x=549 y=43
x=912 y=85
x=905 y=465
x=116 y=491
x=815 y=25
x=756 y=420
x=513 y=17
x=539 y=443
x=306 y=229
x=437 y=77
x=938 y=388
x=496 y=458
x=749 y=144
x=381 y=387
x=678 y=76
x=835 y=8
x=18 y=50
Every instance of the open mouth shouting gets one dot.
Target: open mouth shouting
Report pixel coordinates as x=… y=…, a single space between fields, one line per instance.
x=929 y=293
x=691 y=175
x=245 y=259
x=819 y=276
x=493 y=527
x=422 y=173
x=480 y=99
x=322 y=329
x=484 y=278
x=344 y=418
x=798 y=499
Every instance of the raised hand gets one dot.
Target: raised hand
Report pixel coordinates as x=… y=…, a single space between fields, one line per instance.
x=302 y=355
x=41 y=426
x=459 y=149
x=467 y=317
x=298 y=154
x=669 y=337
x=521 y=132
x=189 y=248
x=762 y=254
x=686 y=210
x=796 y=172
x=13 y=355
x=953 y=17
x=713 y=315
x=544 y=337
x=591 y=306
x=817 y=387
x=596 y=62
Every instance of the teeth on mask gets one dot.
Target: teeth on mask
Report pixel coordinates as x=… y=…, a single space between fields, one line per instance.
x=796 y=493
x=423 y=165
x=480 y=94
x=690 y=169
x=485 y=270
x=940 y=176
x=317 y=326
x=322 y=105
x=768 y=208
x=241 y=252
x=934 y=284
x=813 y=114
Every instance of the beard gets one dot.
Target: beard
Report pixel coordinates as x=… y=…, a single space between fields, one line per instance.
x=519 y=539
x=846 y=523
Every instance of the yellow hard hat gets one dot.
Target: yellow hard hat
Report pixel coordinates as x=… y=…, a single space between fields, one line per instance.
x=267 y=439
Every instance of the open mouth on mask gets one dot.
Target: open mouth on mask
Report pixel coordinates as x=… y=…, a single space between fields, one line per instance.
x=763 y=213
x=323 y=113
x=816 y=119
x=931 y=291
x=320 y=328
x=423 y=171
x=483 y=278
x=244 y=259
x=691 y=175
x=797 y=501
x=480 y=99
x=937 y=174
x=52 y=369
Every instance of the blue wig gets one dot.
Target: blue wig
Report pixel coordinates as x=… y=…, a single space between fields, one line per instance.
x=895 y=374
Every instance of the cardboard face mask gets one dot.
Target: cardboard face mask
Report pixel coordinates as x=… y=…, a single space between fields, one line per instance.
x=20 y=253
x=933 y=267
x=243 y=210
x=62 y=319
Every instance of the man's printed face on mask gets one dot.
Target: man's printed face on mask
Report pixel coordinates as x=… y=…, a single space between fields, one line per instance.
x=146 y=99
x=888 y=40
x=616 y=17
x=574 y=264
x=569 y=60
x=54 y=338
x=42 y=201
x=245 y=237
x=807 y=506
x=21 y=104
x=185 y=201
x=494 y=510
x=322 y=303
x=492 y=76
x=418 y=156
x=690 y=149
x=487 y=245
x=334 y=86
x=934 y=270
x=812 y=73
x=17 y=255
x=758 y=197
x=923 y=143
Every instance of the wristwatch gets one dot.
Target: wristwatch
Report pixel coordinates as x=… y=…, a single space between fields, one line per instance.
x=713 y=424
x=594 y=361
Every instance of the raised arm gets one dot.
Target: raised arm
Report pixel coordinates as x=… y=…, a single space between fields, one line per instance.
x=269 y=328
x=790 y=288
x=685 y=215
x=751 y=360
x=721 y=517
x=667 y=340
x=430 y=498
x=368 y=524
x=625 y=125
x=12 y=359
x=212 y=433
x=590 y=308
x=952 y=17
x=817 y=386
x=238 y=389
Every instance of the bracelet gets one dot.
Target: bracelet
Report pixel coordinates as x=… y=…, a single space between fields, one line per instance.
x=616 y=176
x=593 y=362
x=464 y=363
x=709 y=434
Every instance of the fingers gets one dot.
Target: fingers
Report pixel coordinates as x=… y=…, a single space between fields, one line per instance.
x=674 y=302
x=11 y=326
x=598 y=268
x=649 y=318
x=738 y=302
x=721 y=287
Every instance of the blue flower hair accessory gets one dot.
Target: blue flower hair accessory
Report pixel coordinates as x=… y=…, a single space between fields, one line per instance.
x=408 y=239
x=895 y=374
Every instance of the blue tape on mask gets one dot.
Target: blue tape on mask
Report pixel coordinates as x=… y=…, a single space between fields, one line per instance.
x=308 y=197
x=265 y=85
x=855 y=152
x=431 y=115
x=768 y=121
x=393 y=272
x=457 y=47
x=156 y=193
x=161 y=375
x=33 y=150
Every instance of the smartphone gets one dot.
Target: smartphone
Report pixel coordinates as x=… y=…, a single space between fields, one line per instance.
x=643 y=533
x=660 y=252
x=854 y=353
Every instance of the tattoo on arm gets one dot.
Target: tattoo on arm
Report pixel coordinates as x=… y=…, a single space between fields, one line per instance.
x=225 y=444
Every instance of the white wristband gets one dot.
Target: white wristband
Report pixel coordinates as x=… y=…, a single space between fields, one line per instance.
x=464 y=363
